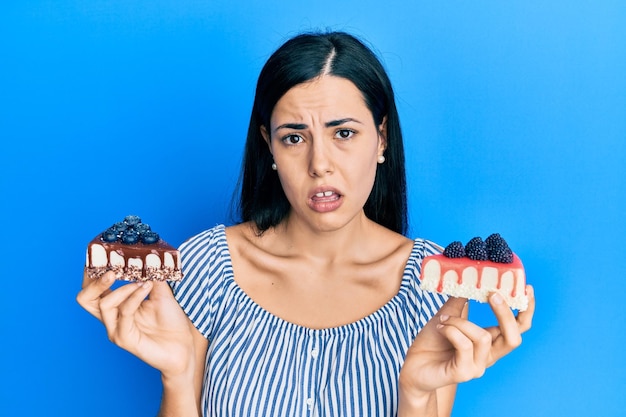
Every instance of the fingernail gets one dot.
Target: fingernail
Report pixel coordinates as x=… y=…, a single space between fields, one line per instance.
x=443 y=317
x=497 y=298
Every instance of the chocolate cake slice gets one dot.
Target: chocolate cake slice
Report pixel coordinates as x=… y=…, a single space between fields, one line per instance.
x=134 y=252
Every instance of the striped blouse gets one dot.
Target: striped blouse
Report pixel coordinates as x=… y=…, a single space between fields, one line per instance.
x=260 y=365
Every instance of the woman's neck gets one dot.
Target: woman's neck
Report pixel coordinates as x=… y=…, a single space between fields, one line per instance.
x=293 y=236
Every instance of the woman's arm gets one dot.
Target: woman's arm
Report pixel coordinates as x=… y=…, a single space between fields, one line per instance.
x=437 y=403
x=447 y=394
x=181 y=394
x=146 y=320
x=450 y=349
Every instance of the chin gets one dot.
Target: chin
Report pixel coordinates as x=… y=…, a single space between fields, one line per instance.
x=331 y=223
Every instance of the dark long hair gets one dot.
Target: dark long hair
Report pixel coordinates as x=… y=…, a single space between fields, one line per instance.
x=299 y=60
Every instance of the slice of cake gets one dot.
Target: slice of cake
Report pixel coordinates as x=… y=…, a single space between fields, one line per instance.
x=134 y=252
x=475 y=270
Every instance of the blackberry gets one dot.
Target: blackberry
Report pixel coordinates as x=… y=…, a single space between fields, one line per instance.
x=149 y=237
x=501 y=254
x=109 y=235
x=476 y=249
x=130 y=237
x=454 y=250
x=498 y=247
x=498 y=250
x=495 y=240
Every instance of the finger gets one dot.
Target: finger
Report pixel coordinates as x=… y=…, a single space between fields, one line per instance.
x=481 y=339
x=160 y=289
x=93 y=290
x=109 y=307
x=507 y=323
x=464 y=366
x=453 y=307
x=132 y=303
x=465 y=312
x=525 y=318
x=128 y=308
x=87 y=279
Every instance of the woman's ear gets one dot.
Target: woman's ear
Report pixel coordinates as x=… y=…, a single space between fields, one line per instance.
x=266 y=137
x=382 y=135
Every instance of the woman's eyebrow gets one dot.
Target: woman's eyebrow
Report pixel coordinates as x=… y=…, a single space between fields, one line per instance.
x=335 y=123
x=295 y=126
x=302 y=126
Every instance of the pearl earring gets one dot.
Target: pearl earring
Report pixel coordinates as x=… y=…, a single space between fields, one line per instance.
x=274 y=167
x=381 y=159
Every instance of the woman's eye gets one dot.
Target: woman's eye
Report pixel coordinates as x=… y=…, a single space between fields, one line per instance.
x=344 y=133
x=292 y=139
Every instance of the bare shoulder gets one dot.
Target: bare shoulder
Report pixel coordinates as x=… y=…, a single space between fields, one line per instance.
x=244 y=238
x=239 y=232
x=385 y=244
x=253 y=254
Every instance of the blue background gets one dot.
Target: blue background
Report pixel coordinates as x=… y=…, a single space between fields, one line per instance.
x=515 y=121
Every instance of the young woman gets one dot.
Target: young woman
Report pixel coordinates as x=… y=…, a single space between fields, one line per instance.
x=311 y=305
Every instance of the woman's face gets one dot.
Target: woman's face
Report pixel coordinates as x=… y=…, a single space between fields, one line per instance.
x=325 y=146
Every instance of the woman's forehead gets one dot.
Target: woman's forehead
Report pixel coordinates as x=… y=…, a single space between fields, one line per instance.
x=328 y=97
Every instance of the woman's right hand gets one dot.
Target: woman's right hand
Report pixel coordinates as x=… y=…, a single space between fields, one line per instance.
x=144 y=319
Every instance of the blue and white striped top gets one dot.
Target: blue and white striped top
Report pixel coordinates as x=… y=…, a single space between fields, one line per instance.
x=260 y=365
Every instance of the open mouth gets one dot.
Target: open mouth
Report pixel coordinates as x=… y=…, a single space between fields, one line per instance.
x=324 y=201
x=328 y=195
x=325 y=194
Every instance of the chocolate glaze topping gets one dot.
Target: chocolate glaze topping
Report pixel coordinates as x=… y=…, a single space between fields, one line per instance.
x=139 y=251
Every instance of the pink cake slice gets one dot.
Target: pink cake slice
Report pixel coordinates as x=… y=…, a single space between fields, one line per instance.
x=463 y=277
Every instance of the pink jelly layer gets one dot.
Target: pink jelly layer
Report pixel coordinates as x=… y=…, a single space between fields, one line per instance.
x=459 y=264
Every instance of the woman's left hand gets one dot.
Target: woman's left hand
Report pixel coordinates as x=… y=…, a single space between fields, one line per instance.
x=450 y=349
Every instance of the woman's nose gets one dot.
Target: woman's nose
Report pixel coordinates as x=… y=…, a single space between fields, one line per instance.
x=320 y=160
